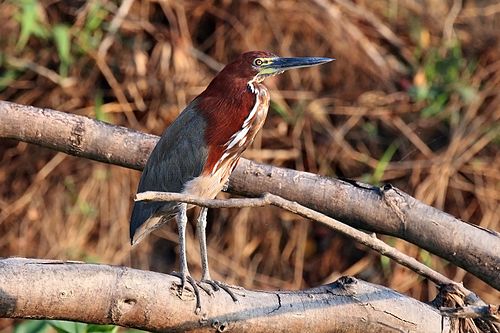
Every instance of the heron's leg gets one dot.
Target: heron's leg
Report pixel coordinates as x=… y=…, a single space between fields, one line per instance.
x=184 y=272
x=181 y=226
x=202 y=237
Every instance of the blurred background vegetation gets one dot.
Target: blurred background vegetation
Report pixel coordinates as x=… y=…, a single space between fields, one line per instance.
x=413 y=99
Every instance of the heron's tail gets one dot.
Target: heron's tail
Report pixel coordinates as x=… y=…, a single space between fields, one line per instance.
x=146 y=218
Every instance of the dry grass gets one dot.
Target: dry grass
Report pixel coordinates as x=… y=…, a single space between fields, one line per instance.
x=413 y=99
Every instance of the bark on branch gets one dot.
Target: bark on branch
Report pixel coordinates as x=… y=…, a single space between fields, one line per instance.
x=128 y=297
x=385 y=210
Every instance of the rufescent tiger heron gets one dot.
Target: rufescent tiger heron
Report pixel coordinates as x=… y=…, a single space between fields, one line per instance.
x=199 y=150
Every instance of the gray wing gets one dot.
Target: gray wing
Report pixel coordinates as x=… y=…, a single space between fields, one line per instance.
x=178 y=157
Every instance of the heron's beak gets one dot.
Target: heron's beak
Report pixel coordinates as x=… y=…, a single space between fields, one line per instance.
x=279 y=65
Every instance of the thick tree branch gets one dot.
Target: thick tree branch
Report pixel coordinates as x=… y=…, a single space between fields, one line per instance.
x=128 y=297
x=385 y=210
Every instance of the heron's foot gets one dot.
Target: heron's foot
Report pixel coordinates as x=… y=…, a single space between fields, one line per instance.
x=186 y=277
x=206 y=287
x=218 y=285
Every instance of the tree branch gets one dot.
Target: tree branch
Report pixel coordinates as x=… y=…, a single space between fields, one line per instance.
x=385 y=210
x=128 y=297
x=359 y=236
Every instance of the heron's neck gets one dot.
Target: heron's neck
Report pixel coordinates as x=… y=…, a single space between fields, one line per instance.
x=256 y=87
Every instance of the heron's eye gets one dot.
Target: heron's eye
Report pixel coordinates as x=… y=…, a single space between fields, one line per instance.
x=258 y=62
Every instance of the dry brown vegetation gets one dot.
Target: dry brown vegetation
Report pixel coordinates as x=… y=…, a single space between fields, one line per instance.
x=413 y=99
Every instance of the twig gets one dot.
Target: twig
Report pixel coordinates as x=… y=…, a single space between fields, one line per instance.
x=473 y=311
x=361 y=237
x=209 y=203
x=64 y=82
x=469 y=318
x=362 y=13
x=206 y=59
x=100 y=59
x=357 y=35
x=113 y=28
x=450 y=20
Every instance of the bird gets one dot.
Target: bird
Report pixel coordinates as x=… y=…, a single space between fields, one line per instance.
x=198 y=151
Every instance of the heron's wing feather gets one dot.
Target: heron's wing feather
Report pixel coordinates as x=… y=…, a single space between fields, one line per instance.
x=178 y=157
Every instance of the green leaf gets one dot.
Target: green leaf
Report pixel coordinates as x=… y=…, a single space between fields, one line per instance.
x=7 y=78
x=370 y=128
x=99 y=113
x=383 y=163
x=426 y=258
x=30 y=23
x=447 y=72
x=436 y=106
x=31 y=326
x=102 y=328
x=96 y=16
x=86 y=209
x=91 y=259
x=89 y=38
x=62 y=38
x=385 y=262
x=467 y=93
x=280 y=111
x=419 y=93
x=62 y=326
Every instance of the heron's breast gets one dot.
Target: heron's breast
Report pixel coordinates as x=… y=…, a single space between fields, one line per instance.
x=241 y=139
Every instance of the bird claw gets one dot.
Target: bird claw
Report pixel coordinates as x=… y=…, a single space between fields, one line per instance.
x=207 y=289
x=218 y=285
x=186 y=277
x=215 y=286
